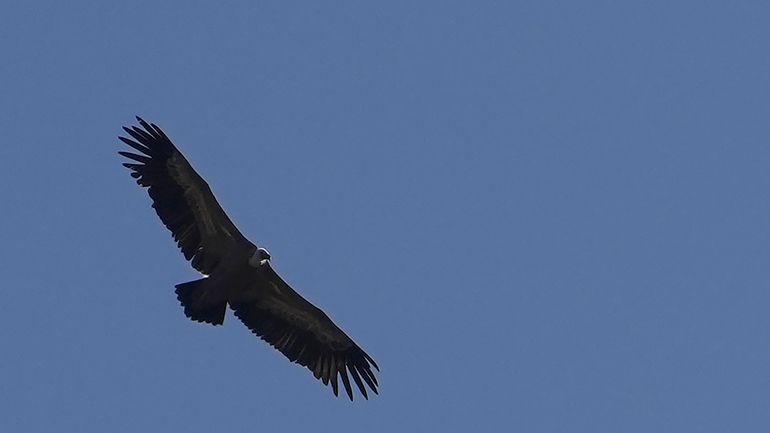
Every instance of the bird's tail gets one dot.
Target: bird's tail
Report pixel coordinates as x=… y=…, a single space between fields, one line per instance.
x=202 y=301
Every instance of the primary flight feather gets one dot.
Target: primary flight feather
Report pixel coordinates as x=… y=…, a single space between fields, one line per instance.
x=238 y=272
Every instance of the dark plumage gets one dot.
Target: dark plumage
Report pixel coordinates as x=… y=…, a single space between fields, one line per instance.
x=238 y=273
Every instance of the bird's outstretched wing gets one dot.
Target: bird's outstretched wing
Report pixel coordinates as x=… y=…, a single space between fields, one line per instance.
x=304 y=333
x=181 y=198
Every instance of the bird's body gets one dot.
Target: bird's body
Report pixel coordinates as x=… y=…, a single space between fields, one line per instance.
x=237 y=272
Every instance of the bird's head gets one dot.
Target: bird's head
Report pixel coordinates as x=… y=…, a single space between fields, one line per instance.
x=260 y=257
x=263 y=254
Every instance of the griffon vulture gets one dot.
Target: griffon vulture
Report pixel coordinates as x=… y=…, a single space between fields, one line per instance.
x=238 y=272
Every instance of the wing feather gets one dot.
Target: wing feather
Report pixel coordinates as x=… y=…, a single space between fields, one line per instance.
x=135 y=157
x=357 y=379
x=346 y=382
x=333 y=374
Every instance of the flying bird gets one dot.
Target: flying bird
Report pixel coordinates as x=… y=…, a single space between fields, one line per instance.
x=237 y=272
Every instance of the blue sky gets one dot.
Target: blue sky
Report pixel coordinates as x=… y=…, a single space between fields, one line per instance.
x=536 y=216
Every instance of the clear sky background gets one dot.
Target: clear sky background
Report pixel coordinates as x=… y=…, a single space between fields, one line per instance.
x=536 y=216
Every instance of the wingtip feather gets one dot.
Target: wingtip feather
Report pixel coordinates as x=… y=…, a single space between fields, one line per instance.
x=346 y=383
x=357 y=380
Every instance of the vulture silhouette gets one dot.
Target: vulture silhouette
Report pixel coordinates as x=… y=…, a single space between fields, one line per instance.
x=238 y=272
